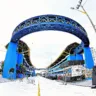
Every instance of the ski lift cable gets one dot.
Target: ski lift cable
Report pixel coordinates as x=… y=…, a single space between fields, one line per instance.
x=85 y=2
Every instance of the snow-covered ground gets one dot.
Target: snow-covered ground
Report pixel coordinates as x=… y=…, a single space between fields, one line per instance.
x=3 y=80
x=84 y=83
x=47 y=88
x=18 y=88
x=53 y=88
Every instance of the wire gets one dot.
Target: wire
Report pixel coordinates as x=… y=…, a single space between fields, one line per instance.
x=85 y=2
x=91 y=26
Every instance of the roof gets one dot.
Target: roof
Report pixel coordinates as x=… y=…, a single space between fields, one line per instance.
x=24 y=49
x=68 y=50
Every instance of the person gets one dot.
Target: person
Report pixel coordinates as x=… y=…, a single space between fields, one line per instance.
x=31 y=80
x=22 y=77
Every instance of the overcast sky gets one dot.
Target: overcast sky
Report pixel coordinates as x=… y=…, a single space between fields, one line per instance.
x=45 y=46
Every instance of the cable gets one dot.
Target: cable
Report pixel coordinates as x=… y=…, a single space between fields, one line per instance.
x=85 y=2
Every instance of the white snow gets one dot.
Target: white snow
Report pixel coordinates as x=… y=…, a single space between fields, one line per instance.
x=47 y=88
x=53 y=88
x=18 y=88
x=3 y=80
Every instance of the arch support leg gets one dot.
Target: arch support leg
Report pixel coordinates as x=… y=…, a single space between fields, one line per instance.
x=71 y=57
x=19 y=58
x=19 y=62
x=89 y=63
x=34 y=74
x=10 y=61
x=79 y=57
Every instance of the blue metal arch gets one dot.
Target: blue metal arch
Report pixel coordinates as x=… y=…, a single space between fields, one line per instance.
x=40 y=23
x=51 y=22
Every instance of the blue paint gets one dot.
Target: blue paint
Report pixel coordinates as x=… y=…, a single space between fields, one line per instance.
x=19 y=62
x=20 y=75
x=20 y=59
x=89 y=63
x=51 y=22
x=71 y=57
x=89 y=78
x=79 y=57
x=34 y=74
x=10 y=61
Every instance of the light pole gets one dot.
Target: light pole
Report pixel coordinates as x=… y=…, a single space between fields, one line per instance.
x=84 y=12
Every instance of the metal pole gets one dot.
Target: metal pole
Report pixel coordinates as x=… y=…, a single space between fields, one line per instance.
x=88 y=18
x=63 y=76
